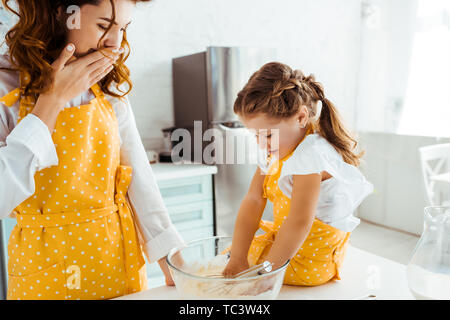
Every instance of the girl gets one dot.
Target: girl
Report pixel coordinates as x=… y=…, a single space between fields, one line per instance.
x=310 y=176
x=67 y=156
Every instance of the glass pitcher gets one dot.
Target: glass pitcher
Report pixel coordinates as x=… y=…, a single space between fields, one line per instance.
x=428 y=271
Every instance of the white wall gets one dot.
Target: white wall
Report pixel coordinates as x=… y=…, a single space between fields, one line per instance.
x=324 y=37
x=392 y=160
x=320 y=37
x=392 y=164
x=386 y=44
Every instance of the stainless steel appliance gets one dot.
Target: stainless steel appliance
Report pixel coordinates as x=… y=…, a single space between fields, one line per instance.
x=205 y=87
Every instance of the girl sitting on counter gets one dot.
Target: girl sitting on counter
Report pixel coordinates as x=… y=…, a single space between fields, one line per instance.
x=310 y=175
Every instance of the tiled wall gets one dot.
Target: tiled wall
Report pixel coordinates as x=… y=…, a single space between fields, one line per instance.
x=320 y=37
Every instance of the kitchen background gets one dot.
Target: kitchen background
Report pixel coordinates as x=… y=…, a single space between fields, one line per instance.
x=385 y=64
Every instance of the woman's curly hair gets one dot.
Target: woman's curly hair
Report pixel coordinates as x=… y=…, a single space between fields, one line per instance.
x=38 y=37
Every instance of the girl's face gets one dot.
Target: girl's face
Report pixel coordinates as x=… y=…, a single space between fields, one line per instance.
x=278 y=137
x=94 y=20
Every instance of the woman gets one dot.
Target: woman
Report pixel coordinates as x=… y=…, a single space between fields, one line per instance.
x=73 y=170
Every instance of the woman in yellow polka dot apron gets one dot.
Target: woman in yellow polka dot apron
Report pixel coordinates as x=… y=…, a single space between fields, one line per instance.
x=321 y=255
x=75 y=237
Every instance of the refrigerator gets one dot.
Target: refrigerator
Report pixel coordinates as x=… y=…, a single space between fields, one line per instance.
x=205 y=86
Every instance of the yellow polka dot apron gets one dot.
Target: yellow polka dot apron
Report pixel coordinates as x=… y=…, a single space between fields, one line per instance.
x=321 y=255
x=75 y=237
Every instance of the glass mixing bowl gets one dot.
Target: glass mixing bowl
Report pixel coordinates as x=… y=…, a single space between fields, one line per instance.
x=196 y=270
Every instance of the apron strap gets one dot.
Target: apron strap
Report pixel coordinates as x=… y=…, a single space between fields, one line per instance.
x=27 y=103
x=97 y=90
x=11 y=98
x=25 y=79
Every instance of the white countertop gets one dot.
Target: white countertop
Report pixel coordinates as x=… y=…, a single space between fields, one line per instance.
x=363 y=273
x=166 y=171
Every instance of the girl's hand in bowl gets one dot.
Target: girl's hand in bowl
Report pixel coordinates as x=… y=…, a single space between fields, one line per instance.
x=235 y=266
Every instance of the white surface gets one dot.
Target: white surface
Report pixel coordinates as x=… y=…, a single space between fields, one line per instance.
x=445 y=177
x=166 y=171
x=363 y=274
x=177 y=28
x=387 y=243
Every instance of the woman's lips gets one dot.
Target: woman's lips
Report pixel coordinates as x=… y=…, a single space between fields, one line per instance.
x=80 y=55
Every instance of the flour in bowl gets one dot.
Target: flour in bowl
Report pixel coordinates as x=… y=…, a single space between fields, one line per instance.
x=213 y=288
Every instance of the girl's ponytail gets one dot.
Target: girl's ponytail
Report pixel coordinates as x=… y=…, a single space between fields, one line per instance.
x=280 y=92
x=330 y=126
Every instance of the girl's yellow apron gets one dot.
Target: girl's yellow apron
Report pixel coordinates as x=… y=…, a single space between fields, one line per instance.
x=75 y=237
x=321 y=255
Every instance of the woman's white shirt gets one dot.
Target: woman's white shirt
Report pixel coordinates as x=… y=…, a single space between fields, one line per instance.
x=27 y=147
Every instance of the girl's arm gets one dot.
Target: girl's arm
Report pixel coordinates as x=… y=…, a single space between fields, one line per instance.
x=296 y=227
x=247 y=223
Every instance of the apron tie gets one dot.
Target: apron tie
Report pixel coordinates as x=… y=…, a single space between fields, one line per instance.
x=60 y=219
x=132 y=255
x=134 y=262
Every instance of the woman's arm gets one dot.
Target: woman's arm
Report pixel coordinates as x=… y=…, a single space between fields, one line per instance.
x=296 y=227
x=28 y=147
x=158 y=233
x=247 y=223
x=25 y=148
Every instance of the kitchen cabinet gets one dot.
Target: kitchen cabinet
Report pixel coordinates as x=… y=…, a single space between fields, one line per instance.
x=187 y=192
x=188 y=195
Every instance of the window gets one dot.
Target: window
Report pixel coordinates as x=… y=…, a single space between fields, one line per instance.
x=426 y=109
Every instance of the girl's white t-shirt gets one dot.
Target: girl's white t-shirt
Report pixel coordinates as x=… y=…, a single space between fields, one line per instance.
x=339 y=195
